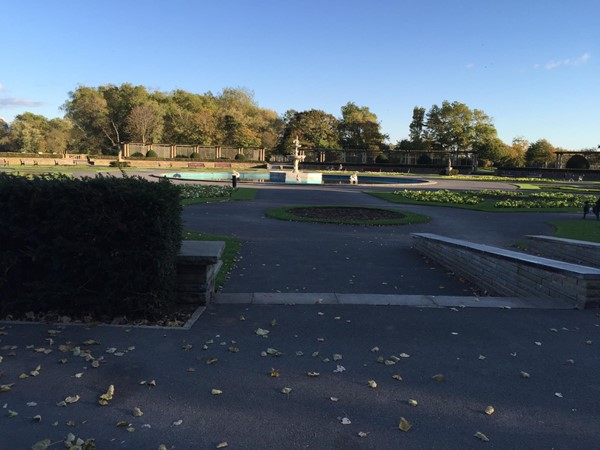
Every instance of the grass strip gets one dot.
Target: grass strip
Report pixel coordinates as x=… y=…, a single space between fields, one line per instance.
x=582 y=230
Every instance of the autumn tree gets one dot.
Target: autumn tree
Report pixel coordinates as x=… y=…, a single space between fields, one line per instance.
x=314 y=129
x=360 y=129
x=144 y=123
x=539 y=154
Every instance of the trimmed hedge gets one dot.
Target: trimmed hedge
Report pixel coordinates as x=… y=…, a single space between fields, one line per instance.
x=101 y=246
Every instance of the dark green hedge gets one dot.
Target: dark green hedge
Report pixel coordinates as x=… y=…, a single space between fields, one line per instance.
x=103 y=246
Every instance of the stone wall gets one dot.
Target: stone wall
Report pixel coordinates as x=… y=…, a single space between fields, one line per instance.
x=570 y=250
x=510 y=273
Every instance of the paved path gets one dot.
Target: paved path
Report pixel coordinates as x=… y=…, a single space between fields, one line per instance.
x=295 y=257
x=538 y=368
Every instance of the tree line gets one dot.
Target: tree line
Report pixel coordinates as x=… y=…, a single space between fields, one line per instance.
x=98 y=120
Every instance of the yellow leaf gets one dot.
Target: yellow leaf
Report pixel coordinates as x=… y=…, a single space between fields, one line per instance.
x=438 y=377
x=480 y=435
x=489 y=410
x=162 y=447
x=216 y=392
x=412 y=402
x=122 y=424
x=72 y=399
x=41 y=445
x=373 y=384
x=274 y=373
x=23 y=376
x=404 y=425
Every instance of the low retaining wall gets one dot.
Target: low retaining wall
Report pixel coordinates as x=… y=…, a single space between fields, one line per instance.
x=570 y=250
x=198 y=264
x=510 y=273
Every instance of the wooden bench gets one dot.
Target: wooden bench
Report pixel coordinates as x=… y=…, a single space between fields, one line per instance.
x=196 y=164
x=198 y=264
x=511 y=273
x=223 y=165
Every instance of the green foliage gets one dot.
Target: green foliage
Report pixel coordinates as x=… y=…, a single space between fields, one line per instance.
x=402 y=218
x=196 y=191
x=314 y=129
x=195 y=155
x=441 y=196
x=382 y=158
x=583 y=230
x=151 y=154
x=424 y=159
x=539 y=154
x=240 y=157
x=101 y=246
x=490 y=198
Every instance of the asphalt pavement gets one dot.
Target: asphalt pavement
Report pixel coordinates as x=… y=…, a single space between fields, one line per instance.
x=320 y=375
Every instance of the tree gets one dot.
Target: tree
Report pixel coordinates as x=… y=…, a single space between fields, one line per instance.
x=314 y=129
x=145 y=123
x=360 y=129
x=539 y=154
x=417 y=127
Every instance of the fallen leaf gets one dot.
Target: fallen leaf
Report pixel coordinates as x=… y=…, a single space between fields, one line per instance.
x=481 y=436
x=274 y=373
x=12 y=413
x=375 y=349
x=187 y=347
x=37 y=418
x=178 y=422
x=223 y=444
x=372 y=383
x=286 y=390
x=234 y=349
x=261 y=332
x=108 y=396
x=525 y=375
x=137 y=412
x=438 y=377
x=334 y=399
x=397 y=377
x=404 y=355
x=210 y=361
x=216 y=392
x=122 y=424
x=362 y=434
x=489 y=410
x=337 y=357
x=404 y=425
x=299 y=353
x=558 y=394
x=481 y=357
x=162 y=447
x=345 y=421
x=72 y=399
x=412 y=402
x=313 y=374
x=41 y=445
x=31 y=404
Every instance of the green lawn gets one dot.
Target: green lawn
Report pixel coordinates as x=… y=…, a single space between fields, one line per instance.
x=583 y=230
x=239 y=194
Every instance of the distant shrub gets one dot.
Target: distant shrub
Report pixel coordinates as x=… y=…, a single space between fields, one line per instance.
x=195 y=155
x=151 y=154
x=138 y=155
x=578 y=162
x=240 y=157
x=382 y=158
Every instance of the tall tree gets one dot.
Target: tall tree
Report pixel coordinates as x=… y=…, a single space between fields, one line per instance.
x=314 y=129
x=360 y=129
x=540 y=154
x=417 y=126
x=145 y=123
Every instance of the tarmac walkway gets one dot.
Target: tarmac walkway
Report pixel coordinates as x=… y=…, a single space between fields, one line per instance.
x=340 y=362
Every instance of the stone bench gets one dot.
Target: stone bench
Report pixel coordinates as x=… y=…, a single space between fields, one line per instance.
x=223 y=165
x=196 y=164
x=511 y=273
x=198 y=264
x=570 y=250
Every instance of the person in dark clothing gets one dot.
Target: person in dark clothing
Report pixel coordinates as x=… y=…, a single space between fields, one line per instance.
x=586 y=208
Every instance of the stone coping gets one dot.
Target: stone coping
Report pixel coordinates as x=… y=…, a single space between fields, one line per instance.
x=575 y=242
x=547 y=263
x=193 y=252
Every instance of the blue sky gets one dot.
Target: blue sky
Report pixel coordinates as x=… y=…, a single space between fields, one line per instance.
x=532 y=65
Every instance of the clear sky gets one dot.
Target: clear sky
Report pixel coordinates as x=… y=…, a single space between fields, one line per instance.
x=532 y=65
